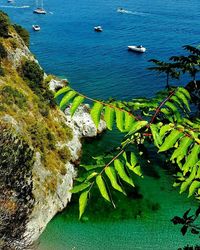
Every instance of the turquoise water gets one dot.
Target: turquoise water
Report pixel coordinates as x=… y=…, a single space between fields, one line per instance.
x=99 y=65
x=150 y=229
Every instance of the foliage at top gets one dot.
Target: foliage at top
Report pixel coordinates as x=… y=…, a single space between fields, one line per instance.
x=4 y=25
x=24 y=34
x=163 y=121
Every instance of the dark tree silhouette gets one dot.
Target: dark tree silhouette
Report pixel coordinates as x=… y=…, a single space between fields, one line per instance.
x=169 y=69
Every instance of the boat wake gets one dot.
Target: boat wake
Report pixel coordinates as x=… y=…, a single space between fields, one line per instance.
x=136 y=13
x=15 y=7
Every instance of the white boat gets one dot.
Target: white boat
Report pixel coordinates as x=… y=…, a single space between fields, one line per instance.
x=121 y=10
x=39 y=9
x=138 y=48
x=98 y=28
x=36 y=27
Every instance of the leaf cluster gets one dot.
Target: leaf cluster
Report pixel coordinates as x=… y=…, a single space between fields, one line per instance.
x=162 y=121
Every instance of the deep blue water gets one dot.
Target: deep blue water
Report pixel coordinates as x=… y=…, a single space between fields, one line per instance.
x=98 y=64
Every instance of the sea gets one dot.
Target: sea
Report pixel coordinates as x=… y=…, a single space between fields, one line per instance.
x=99 y=65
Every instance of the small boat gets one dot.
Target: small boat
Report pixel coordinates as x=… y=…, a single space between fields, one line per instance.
x=36 y=27
x=10 y=1
x=39 y=9
x=121 y=10
x=98 y=28
x=138 y=48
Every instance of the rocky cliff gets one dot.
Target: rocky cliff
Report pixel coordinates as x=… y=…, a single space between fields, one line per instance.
x=39 y=145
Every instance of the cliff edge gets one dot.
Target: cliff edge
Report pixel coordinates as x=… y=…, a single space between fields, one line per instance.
x=39 y=145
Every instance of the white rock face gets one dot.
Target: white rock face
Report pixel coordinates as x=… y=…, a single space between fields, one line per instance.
x=48 y=204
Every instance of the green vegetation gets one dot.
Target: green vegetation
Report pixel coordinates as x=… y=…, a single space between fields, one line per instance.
x=13 y=96
x=24 y=34
x=33 y=73
x=162 y=122
x=2 y=72
x=3 y=52
x=4 y=25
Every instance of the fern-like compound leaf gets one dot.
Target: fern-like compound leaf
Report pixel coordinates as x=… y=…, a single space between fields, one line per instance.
x=76 y=103
x=110 y=172
x=109 y=117
x=182 y=97
x=137 y=126
x=128 y=121
x=83 y=202
x=192 y=158
x=122 y=173
x=102 y=187
x=96 y=113
x=67 y=98
x=119 y=119
x=156 y=136
x=79 y=188
x=170 y=140
x=62 y=91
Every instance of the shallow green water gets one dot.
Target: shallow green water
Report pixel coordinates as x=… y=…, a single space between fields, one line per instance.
x=142 y=222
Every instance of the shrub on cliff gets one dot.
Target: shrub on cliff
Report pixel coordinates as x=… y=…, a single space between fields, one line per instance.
x=2 y=72
x=4 y=24
x=3 y=52
x=24 y=34
x=32 y=71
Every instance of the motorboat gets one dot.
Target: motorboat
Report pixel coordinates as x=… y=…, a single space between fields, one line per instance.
x=98 y=28
x=36 y=27
x=138 y=48
x=121 y=10
x=39 y=11
x=10 y=1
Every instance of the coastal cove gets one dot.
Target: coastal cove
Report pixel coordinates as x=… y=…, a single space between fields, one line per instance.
x=100 y=66
x=142 y=222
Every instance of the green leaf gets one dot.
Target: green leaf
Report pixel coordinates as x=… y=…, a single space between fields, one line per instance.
x=80 y=187
x=164 y=129
x=188 y=181
x=90 y=167
x=170 y=140
x=119 y=119
x=192 y=158
x=167 y=113
x=182 y=149
x=137 y=170
x=195 y=184
x=133 y=159
x=83 y=202
x=62 y=91
x=185 y=92
x=128 y=121
x=121 y=171
x=102 y=187
x=109 y=116
x=67 y=98
x=175 y=110
x=96 y=113
x=182 y=97
x=110 y=172
x=137 y=126
x=76 y=102
x=156 y=136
